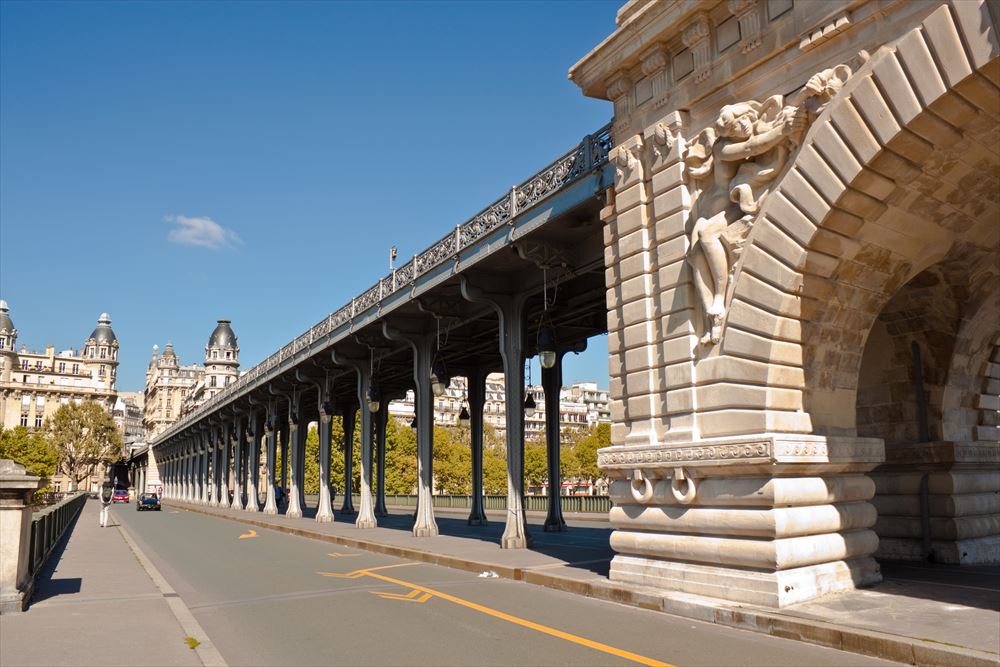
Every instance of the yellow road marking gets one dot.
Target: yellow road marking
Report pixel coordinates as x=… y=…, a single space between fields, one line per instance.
x=412 y=596
x=252 y=533
x=357 y=574
x=430 y=592
x=336 y=554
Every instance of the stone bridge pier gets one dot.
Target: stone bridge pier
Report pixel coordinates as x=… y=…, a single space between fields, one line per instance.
x=803 y=291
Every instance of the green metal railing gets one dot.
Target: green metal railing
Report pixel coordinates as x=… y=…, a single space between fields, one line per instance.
x=48 y=525
x=582 y=504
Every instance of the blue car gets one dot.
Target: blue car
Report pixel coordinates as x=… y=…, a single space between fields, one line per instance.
x=148 y=501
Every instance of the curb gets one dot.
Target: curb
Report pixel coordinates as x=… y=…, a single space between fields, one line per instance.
x=899 y=648
x=205 y=650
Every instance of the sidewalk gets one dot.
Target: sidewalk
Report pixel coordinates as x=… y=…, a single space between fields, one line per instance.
x=95 y=604
x=925 y=615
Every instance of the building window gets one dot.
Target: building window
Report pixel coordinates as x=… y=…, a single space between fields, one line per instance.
x=100 y=371
x=90 y=351
x=24 y=420
x=62 y=366
x=215 y=354
x=3 y=341
x=229 y=354
x=24 y=364
x=76 y=368
x=39 y=403
x=57 y=486
x=228 y=380
x=25 y=402
x=104 y=353
x=213 y=382
x=38 y=365
x=38 y=421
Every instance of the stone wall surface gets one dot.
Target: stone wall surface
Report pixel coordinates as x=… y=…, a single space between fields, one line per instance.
x=802 y=254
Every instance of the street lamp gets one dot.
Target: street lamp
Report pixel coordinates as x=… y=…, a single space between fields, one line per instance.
x=413 y=422
x=529 y=405
x=373 y=399
x=547 y=355
x=463 y=416
x=439 y=379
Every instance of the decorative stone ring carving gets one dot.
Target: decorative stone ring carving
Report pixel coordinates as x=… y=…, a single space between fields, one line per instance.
x=690 y=490
x=642 y=488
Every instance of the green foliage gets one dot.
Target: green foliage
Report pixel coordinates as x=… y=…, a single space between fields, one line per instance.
x=311 y=482
x=84 y=436
x=536 y=464
x=400 y=458
x=453 y=460
x=494 y=462
x=585 y=451
x=29 y=449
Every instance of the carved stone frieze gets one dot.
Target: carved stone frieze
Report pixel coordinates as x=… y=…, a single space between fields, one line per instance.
x=733 y=164
x=753 y=450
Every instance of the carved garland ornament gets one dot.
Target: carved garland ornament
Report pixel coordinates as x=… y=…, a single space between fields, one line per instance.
x=733 y=164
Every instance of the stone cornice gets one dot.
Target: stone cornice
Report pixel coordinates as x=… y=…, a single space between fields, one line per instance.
x=943 y=453
x=623 y=48
x=750 y=450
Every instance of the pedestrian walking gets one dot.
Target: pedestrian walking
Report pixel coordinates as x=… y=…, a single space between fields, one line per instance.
x=106 y=494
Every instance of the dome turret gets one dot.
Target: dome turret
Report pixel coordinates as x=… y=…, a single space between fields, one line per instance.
x=103 y=334
x=222 y=335
x=222 y=358
x=8 y=334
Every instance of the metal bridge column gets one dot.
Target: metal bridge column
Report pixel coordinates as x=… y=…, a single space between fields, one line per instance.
x=324 y=511
x=252 y=467
x=271 y=432
x=203 y=479
x=423 y=358
x=381 y=420
x=510 y=311
x=551 y=385
x=225 y=459
x=348 y=411
x=296 y=444
x=237 y=460
x=283 y=440
x=477 y=398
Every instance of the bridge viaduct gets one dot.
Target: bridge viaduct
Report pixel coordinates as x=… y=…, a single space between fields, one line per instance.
x=789 y=233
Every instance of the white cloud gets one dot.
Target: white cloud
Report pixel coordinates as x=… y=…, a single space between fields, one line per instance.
x=203 y=232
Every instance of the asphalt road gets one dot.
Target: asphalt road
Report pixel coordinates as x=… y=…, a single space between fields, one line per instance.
x=268 y=598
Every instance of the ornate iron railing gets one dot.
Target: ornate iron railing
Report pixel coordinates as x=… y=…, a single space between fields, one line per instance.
x=585 y=157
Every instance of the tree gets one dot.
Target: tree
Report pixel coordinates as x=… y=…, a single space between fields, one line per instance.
x=453 y=460
x=536 y=462
x=84 y=436
x=400 y=458
x=586 y=448
x=311 y=482
x=494 y=463
x=29 y=449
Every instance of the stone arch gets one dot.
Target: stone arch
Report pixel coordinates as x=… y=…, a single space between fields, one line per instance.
x=897 y=175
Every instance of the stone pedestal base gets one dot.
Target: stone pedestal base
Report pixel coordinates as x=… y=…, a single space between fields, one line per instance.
x=939 y=502
x=770 y=520
x=769 y=589
x=16 y=488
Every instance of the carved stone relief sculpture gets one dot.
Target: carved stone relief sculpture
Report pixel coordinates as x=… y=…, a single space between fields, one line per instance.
x=732 y=164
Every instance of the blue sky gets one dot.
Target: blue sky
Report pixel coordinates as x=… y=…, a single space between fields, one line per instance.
x=173 y=163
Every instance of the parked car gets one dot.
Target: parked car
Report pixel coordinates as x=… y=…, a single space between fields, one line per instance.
x=148 y=501
x=119 y=496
